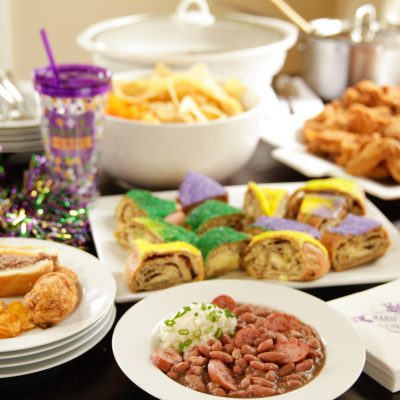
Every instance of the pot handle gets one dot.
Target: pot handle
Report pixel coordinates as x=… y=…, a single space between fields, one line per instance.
x=200 y=17
x=357 y=34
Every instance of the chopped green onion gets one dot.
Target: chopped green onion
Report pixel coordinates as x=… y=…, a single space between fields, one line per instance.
x=197 y=333
x=203 y=307
x=184 y=344
x=218 y=333
x=229 y=313
x=183 y=331
x=196 y=314
x=209 y=329
x=169 y=322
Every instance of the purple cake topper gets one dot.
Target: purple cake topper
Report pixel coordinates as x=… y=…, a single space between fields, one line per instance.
x=196 y=188
x=283 y=224
x=355 y=225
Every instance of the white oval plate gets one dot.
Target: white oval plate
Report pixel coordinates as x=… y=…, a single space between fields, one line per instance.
x=58 y=360
x=133 y=337
x=98 y=293
x=13 y=357
x=58 y=351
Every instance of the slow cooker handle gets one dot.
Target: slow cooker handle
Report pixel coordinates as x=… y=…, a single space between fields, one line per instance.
x=200 y=17
x=365 y=11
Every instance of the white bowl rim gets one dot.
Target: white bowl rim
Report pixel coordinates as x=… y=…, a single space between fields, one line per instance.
x=86 y=40
x=143 y=72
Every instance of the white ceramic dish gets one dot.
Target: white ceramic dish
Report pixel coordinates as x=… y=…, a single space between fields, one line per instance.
x=161 y=154
x=58 y=351
x=13 y=355
x=102 y=221
x=252 y=47
x=291 y=151
x=132 y=347
x=60 y=359
x=97 y=295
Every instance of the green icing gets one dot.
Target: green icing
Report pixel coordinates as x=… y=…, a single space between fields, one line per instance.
x=209 y=210
x=218 y=236
x=168 y=232
x=152 y=205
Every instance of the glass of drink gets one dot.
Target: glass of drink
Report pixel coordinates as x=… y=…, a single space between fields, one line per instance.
x=72 y=124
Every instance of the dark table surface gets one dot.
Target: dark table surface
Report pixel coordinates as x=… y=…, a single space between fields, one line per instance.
x=96 y=375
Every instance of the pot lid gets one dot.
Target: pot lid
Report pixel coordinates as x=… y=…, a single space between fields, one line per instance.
x=187 y=32
x=363 y=30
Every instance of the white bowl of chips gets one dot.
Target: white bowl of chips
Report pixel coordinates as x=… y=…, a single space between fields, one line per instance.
x=177 y=127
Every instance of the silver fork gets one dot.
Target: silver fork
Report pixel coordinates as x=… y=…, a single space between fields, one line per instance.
x=15 y=107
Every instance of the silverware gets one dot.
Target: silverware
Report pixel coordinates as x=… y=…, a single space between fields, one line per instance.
x=13 y=103
x=284 y=87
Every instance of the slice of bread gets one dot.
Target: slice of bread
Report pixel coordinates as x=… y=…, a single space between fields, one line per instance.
x=22 y=266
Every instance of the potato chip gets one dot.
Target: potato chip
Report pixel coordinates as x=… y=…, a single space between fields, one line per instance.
x=183 y=96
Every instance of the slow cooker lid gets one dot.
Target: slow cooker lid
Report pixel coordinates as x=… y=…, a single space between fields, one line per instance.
x=164 y=35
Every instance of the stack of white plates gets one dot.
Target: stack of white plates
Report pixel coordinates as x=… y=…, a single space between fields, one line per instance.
x=40 y=349
x=22 y=136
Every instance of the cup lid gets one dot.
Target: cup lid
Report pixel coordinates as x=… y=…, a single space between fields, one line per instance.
x=75 y=80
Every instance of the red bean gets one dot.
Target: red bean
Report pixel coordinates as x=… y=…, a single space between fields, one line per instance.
x=173 y=375
x=291 y=377
x=305 y=365
x=296 y=334
x=270 y=367
x=181 y=367
x=265 y=345
x=260 y=391
x=242 y=363
x=195 y=382
x=250 y=357
x=198 y=361
x=271 y=356
x=195 y=370
x=248 y=317
x=220 y=355
x=236 y=354
x=204 y=349
x=262 y=311
x=271 y=376
x=258 y=365
x=237 y=370
x=238 y=394
x=192 y=352
x=246 y=349
x=245 y=382
x=312 y=354
x=228 y=348
x=225 y=339
x=217 y=346
x=261 y=381
x=280 y=337
x=314 y=343
x=293 y=384
x=242 y=309
x=286 y=369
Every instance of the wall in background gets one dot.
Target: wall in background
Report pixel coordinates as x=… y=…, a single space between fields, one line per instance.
x=65 y=19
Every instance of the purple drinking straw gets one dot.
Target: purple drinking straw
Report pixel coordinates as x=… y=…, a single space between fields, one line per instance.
x=50 y=56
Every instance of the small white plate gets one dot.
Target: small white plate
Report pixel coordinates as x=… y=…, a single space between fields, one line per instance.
x=98 y=293
x=13 y=355
x=132 y=347
x=58 y=360
x=103 y=224
x=286 y=135
x=58 y=351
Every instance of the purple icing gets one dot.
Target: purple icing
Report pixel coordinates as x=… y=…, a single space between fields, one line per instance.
x=327 y=212
x=196 y=188
x=283 y=224
x=355 y=225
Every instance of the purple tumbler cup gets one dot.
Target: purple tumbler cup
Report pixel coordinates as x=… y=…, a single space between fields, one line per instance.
x=72 y=123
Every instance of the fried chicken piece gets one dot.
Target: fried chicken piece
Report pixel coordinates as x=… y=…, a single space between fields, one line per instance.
x=53 y=298
x=373 y=154
x=14 y=319
x=393 y=164
x=367 y=120
x=393 y=128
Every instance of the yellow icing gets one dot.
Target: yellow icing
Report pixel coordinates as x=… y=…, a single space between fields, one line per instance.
x=341 y=184
x=163 y=248
x=268 y=199
x=311 y=202
x=299 y=237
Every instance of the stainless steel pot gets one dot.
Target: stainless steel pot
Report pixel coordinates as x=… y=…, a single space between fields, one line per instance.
x=339 y=53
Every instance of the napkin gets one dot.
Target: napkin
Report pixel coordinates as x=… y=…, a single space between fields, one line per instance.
x=375 y=313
